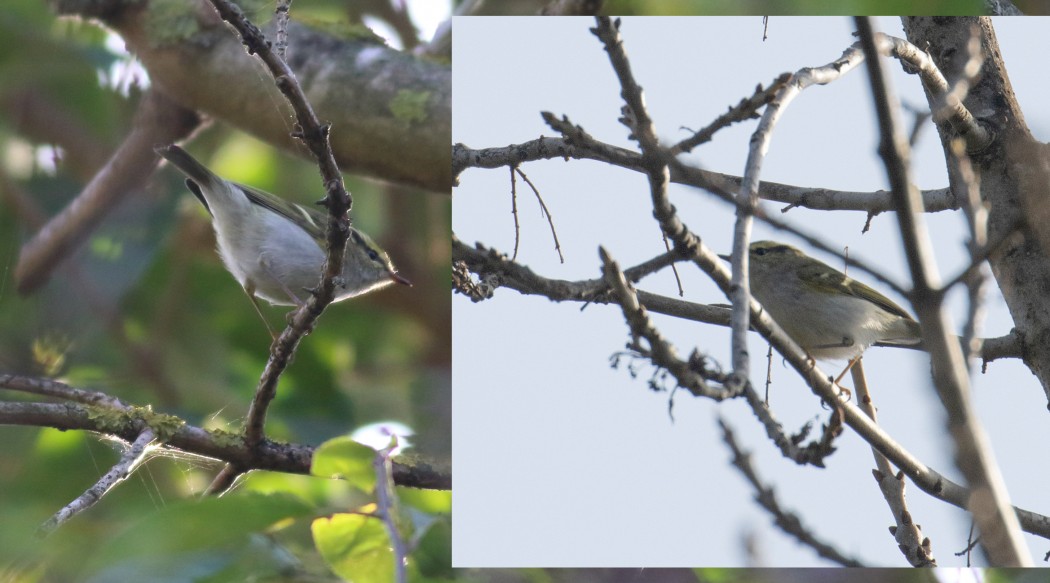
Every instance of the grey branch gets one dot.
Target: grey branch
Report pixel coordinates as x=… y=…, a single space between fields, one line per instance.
x=789 y=522
x=269 y=455
x=129 y=460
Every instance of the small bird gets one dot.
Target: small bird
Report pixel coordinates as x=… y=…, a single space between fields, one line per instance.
x=274 y=248
x=830 y=315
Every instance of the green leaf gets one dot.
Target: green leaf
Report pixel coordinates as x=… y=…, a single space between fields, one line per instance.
x=433 y=555
x=356 y=547
x=430 y=501
x=191 y=525
x=345 y=458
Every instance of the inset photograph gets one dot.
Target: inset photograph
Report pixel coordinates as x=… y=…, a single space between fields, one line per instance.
x=749 y=292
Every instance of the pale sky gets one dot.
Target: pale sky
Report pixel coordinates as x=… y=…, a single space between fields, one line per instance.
x=561 y=460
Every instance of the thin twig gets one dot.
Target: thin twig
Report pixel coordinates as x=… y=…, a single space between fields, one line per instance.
x=395 y=14
x=947 y=103
x=514 y=212
x=546 y=212
x=281 y=13
x=709 y=181
x=696 y=374
x=441 y=44
x=790 y=445
x=636 y=117
x=223 y=481
x=769 y=370
x=789 y=522
x=60 y=390
x=918 y=550
x=674 y=268
x=129 y=460
x=315 y=136
x=692 y=374
x=464 y=284
x=977 y=222
x=386 y=502
x=743 y=111
x=967 y=180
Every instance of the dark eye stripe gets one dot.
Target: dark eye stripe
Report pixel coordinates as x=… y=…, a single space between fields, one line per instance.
x=372 y=253
x=774 y=249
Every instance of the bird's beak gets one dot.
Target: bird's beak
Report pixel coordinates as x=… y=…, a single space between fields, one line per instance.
x=398 y=279
x=725 y=257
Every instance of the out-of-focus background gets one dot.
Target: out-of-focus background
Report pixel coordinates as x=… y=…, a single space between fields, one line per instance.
x=562 y=459
x=144 y=310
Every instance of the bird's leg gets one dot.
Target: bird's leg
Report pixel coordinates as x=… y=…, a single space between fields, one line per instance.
x=810 y=361
x=852 y=362
x=249 y=288
x=846 y=343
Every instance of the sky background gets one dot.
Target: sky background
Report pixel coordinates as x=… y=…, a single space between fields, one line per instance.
x=562 y=460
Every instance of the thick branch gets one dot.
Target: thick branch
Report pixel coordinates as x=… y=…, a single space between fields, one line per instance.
x=491 y=264
x=989 y=503
x=392 y=111
x=158 y=120
x=817 y=198
x=228 y=447
x=1009 y=171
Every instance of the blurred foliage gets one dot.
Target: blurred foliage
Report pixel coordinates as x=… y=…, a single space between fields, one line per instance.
x=145 y=311
x=1033 y=7
x=767 y=7
x=795 y=7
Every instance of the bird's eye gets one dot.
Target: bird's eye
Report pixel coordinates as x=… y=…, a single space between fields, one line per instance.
x=373 y=255
x=761 y=251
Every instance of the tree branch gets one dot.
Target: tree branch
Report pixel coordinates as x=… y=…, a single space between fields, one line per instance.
x=922 y=475
x=816 y=198
x=315 y=136
x=388 y=509
x=128 y=424
x=129 y=460
x=498 y=270
x=696 y=373
x=158 y=120
x=989 y=503
x=392 y=109
x=917 y=549
x=789 y=522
